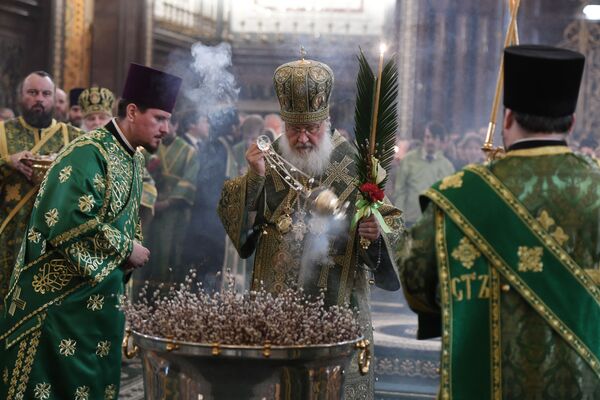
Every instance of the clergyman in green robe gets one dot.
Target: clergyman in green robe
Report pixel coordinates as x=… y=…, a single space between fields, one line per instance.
x=62 y=328
x=27 y=136
x=265 y=217
x=174 y=168
x=96 y=105
x=504 y=262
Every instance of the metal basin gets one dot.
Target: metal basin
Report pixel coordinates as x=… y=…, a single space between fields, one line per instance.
x=194 y=371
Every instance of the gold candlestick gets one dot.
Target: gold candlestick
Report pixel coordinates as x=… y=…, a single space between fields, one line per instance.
x=512 y=37
x=382 y=48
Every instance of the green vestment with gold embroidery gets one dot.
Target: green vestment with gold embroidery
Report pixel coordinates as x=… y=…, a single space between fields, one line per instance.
x=175 y=176
x=61 y=331
x=16 y=192
x=496 y=256
x=278 y=255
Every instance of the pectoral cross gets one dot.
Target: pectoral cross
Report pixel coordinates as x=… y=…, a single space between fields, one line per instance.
x=16 y=301
x=338 y=171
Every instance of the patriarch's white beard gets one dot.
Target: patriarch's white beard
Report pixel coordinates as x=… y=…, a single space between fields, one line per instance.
x=314 y=161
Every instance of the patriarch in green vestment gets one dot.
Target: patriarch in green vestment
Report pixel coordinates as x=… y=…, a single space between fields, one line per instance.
x=34 y=133
x=264 y=217
x=61 y=331
x=504 y=263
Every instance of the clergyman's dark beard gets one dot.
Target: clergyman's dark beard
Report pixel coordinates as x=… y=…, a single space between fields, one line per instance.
x=37 y=118
x=76 y=122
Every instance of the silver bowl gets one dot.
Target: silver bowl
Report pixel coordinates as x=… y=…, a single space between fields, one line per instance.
x=195 y=371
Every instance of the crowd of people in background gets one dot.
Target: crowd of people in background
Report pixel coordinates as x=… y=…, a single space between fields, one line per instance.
x=429 y=157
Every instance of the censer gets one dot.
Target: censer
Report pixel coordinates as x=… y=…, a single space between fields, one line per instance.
x=321 y=201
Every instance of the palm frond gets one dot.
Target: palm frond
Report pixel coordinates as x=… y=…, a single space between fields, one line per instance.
x=387 y=124
x=363 y=112
x=387 y=117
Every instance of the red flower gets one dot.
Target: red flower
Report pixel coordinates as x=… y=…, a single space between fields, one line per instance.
x=372 y=192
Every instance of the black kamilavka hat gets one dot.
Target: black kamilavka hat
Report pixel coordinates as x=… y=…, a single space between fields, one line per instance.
x=542 y=80
x=151 y=88
x=74 y=96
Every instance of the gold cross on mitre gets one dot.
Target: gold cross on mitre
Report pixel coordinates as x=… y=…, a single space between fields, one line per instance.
x=302 y=52
x=16 y=301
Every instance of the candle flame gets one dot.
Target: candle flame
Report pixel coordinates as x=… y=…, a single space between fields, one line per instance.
x=382 y=48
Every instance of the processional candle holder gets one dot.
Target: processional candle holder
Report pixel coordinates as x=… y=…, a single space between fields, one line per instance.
x=512 y=37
